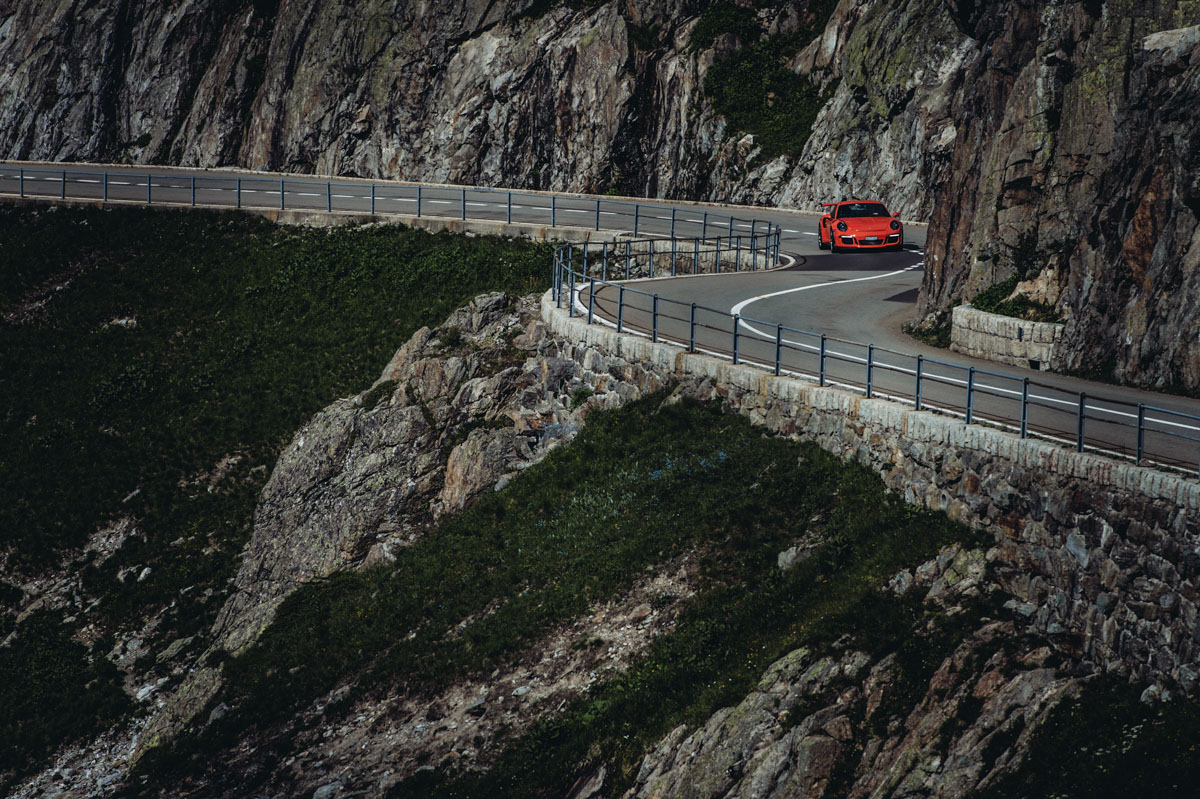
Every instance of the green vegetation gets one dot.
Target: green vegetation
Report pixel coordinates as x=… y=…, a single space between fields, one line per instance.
x=152 y=366
x=580 y=396
x=725 y=17
x=636 y=490
x=753 y=88
x=1108 y=744
x=995 y=299
x=934 y=331
x=61 y=686
x=183 y=338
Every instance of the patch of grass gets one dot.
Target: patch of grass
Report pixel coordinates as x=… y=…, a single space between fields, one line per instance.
x=377 y=394
x=1107 y=744
x=995 y=299
x=934 y=332
x=579 y=396
x=636 y=489
x=754 y=89
x=721 y=18
x=63 y=692
x=722 y=645
x=243 y=331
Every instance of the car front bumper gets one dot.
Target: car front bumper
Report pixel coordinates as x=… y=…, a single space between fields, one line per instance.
x=870 y=242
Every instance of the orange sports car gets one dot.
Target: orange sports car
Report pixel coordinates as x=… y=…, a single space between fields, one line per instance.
x=859 y=225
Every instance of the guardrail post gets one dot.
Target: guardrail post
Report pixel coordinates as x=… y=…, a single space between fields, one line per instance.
x=737 y=259
x=597 y=214
x=628 y=256
x=717 y=257
x=591 y=299
x=970 y=395
x=509 y=216
x=651 y=269
x=418 y=201
x=674 y=253
x=1081 y=417
x=692 y=329
x=464 y=204
x=571 y=298
x=673 y=211
x=239 y=192
x=870 y=367
x=557 y=278
x=585 y=257
x=704 y=226
x=328 y=197
x=1141 y=433
x=917 y=394
x=105 y=195
x=637 y=214
x=620 y=309
x=63 y=194
x=553 y=210
x=604 y=264
x=193 y=190
x=281 y=193
x=654 y=318
x=1025 y=408
x=695 y=256
x=736 y=320
x=21 y=181
x=731 y=226
x=821 y=363
x=753 y=253
x=778 y=348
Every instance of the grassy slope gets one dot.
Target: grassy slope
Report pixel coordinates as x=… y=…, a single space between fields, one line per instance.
x=634 y=491
x=244 y=330
x=753 y=87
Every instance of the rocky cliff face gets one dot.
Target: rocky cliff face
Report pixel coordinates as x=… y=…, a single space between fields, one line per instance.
x=1046 y=139
x=541 y=95
x=1075 y=175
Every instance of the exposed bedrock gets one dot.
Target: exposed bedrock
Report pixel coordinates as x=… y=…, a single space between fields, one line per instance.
x=1053 y=139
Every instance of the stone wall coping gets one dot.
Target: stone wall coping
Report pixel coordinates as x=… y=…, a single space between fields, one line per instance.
x=918 y=427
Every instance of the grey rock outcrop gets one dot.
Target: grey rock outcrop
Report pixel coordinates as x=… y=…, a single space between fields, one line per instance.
x=457 y=411
x=604 y=96
x=1078 y=170
x=825 y=726
x=1050 y=138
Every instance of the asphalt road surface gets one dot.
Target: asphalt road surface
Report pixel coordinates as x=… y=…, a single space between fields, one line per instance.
x=848 y=297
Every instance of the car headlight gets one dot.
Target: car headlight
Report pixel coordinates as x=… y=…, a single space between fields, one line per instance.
x=842 y=226
x=895 y=224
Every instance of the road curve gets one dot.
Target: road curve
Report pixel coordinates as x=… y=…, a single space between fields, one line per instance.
x=848 y=296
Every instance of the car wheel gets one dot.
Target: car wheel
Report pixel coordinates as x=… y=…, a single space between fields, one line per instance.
x=833 y=248
x=820 y=244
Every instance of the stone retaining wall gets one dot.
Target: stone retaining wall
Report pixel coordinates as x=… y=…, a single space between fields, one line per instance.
x=1003 y=338
x=1102 y=557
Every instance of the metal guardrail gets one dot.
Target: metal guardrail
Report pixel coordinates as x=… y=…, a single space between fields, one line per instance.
x=583 y=275
x=690 y=242
x=411 y=199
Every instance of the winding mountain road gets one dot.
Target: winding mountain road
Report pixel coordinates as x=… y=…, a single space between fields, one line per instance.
x=848 y=297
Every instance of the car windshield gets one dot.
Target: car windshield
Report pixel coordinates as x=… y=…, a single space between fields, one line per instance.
x=861 y=209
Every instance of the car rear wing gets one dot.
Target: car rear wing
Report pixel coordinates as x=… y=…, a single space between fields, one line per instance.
x=828 y=205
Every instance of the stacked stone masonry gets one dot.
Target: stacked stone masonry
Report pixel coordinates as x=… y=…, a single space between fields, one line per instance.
x=1004 y=339
x=1101 y=556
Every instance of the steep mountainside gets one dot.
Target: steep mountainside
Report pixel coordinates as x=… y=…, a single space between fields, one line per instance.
x=1048 y=140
